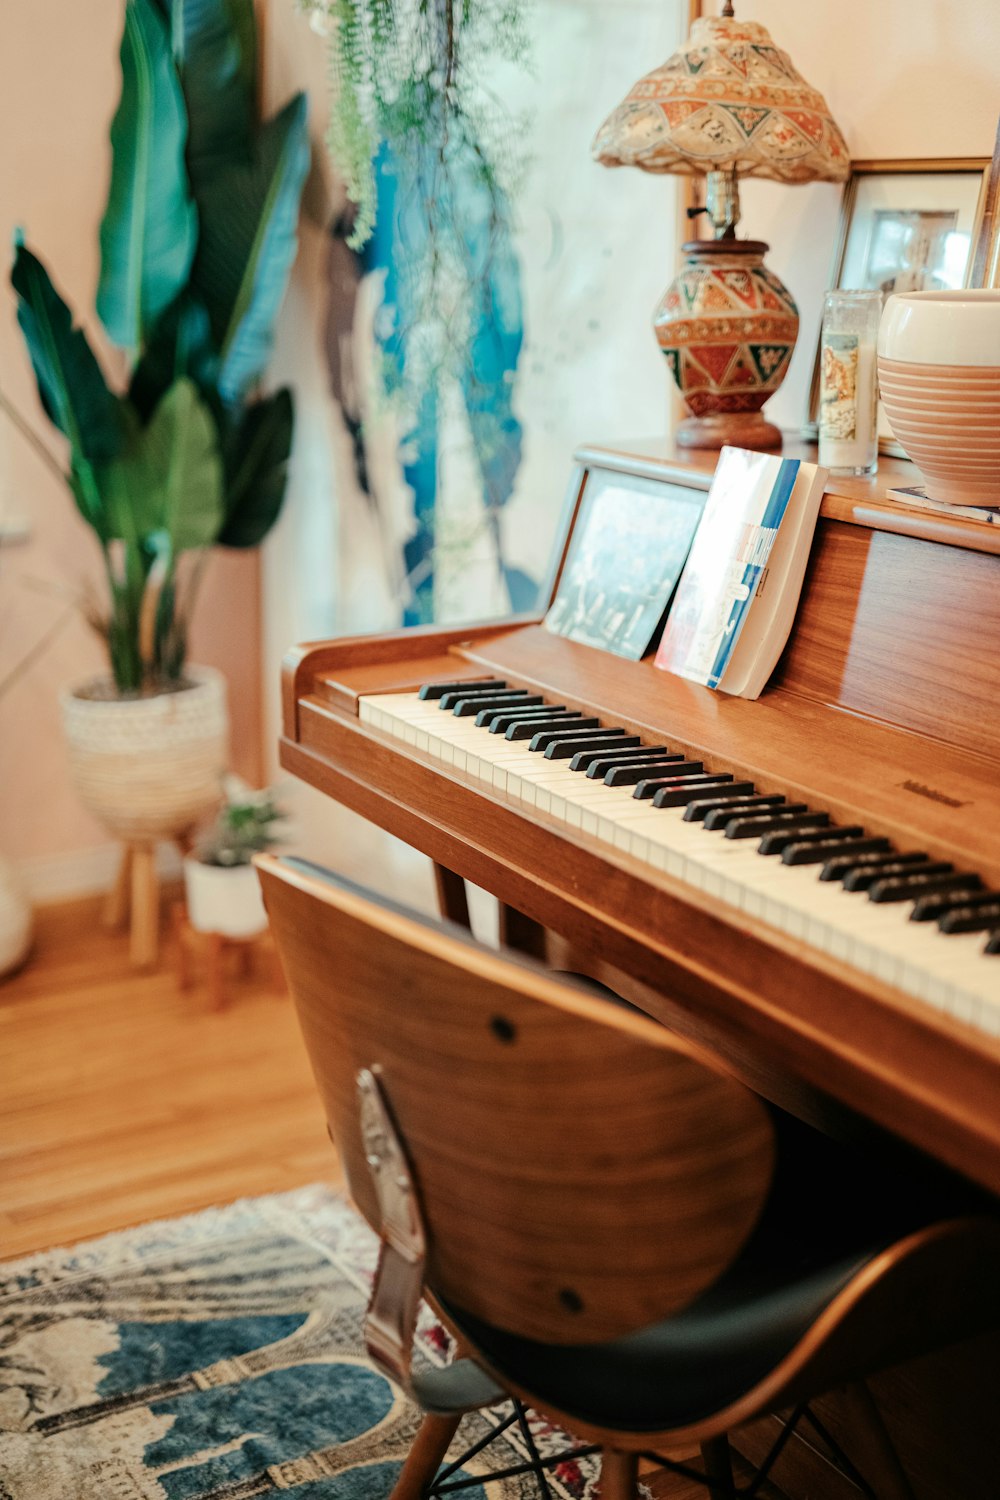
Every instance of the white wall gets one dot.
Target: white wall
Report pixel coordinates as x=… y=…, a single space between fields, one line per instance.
x=903 y=78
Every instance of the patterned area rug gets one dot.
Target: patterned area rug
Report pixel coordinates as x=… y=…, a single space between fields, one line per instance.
x=220 y=1357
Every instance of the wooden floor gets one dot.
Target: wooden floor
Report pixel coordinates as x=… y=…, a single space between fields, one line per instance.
x=123 y=1099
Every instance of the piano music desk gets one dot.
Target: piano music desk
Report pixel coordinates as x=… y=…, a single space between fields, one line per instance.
x=882 y=712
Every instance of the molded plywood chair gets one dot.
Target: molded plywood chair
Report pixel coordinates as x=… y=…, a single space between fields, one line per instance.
x=620 y=1234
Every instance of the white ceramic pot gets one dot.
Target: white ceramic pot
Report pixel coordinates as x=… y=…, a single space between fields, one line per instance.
x=16 y=921
x=150 y=768
x=939 y=379
x=224 y=900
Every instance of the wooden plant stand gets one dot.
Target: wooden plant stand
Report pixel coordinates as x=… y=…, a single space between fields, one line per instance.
x=135 y=898
x=216 y=946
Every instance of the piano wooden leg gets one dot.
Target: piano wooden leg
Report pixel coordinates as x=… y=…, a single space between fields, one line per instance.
x=522 y=933
x=453 y=902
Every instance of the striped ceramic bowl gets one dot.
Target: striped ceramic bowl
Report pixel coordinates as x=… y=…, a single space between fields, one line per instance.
x=939 y=379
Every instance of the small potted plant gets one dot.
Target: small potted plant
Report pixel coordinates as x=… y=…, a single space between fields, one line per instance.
x=223 y=892
x=187 y=451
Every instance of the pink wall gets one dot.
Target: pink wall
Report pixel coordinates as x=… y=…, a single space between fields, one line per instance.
x=59 y=85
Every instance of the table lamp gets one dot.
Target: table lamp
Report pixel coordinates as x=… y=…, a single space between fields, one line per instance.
x=729 y=104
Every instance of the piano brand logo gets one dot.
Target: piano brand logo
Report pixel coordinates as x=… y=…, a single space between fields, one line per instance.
x=929 y=791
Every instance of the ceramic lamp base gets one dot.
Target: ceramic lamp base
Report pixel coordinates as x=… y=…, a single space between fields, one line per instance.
x=727 y=327
x=737 y=429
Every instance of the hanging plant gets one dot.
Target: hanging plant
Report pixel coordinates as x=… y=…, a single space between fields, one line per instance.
x=413 y=74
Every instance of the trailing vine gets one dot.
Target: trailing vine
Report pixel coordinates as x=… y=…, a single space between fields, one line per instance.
x=413 y=73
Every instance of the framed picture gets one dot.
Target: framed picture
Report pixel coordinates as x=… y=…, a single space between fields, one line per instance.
x=628 y=549
x=907 y=226
x=986 y=256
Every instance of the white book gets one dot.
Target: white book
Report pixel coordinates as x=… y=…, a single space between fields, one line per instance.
x=737 y=597
x=916 y=495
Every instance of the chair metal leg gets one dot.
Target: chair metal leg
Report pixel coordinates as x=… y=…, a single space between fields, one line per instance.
x=426 y=1456
x=718 y=1462
x=877 y=1457
x=619 y=1474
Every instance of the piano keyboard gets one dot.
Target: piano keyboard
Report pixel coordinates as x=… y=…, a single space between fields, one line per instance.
x=909 y=920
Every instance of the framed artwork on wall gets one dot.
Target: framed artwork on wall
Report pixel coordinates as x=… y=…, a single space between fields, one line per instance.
x=907 y=226
x=986 y=255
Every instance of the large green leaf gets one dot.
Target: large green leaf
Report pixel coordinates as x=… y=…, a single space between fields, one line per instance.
x=180 y=344
x=256 y=455
x=247 y=246
x=210 y=40
x=70 y=382
x=149 y=230
x=166 y=490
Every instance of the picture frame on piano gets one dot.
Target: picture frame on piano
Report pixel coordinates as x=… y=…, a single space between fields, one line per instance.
x=907 y=225
x=629 y=545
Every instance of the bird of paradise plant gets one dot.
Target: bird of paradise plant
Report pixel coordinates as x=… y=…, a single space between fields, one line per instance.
x=197 y=241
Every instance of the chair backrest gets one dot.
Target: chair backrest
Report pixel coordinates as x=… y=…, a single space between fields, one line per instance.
x=581 y=1172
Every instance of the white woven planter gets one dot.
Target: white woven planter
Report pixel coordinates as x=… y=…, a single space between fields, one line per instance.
x=149 y=768
x=15 y=919
x=224 y=900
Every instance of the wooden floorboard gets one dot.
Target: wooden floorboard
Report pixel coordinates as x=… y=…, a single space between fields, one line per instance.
x=123 y=1099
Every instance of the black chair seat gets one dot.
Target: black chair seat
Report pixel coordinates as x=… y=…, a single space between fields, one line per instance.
x=824 y=1219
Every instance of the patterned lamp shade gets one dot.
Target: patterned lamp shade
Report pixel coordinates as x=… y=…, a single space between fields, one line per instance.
x=728 y=101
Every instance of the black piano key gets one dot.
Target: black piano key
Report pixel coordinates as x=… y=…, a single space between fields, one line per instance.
x=523 y=726
x=438 y=689
x=503 y=719
x=631 y=775
x=971 y=918
x=694 y=794
x=735 y=794
x=563 y=749
x=929 y=908
x=993 y=944
x=682 y=770
x=528 y=728
x=807 y=853
x=777 y=843
x=587 y=732
x=792 y=815
x=465 y=708
x=865 y=876
x=840 y=867
x=909 y=887
x=532 y=707
x=758 y=801
x=596 y=763
x=677 y=792
x=448 y=700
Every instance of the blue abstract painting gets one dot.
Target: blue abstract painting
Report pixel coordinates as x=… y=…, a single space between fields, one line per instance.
x=449 y=323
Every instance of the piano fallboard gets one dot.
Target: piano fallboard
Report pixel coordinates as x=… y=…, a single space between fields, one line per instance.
x=793 y=1020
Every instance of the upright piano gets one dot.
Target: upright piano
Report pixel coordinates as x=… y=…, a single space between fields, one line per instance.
x=881 y=717
x=853 y=1002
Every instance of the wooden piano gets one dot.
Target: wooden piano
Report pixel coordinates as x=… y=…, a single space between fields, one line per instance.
x=881 y=714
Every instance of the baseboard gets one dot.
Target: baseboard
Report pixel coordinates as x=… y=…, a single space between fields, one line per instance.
x=63 y=877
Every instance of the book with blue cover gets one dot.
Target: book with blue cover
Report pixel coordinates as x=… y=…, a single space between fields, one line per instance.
x=736 y=598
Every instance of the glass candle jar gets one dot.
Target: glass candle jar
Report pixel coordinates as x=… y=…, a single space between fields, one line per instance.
x=848 y=389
